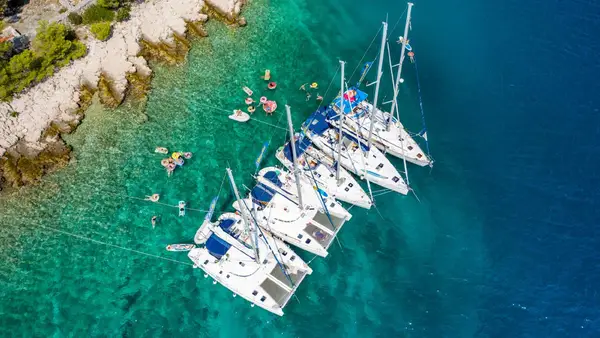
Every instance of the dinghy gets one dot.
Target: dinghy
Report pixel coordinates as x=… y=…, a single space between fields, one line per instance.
x=239 y=116
x=180 y=247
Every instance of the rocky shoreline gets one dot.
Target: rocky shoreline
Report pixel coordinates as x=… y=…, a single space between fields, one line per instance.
x=32 y=123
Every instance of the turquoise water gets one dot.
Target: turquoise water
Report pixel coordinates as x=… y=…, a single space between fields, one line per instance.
x=433 y=267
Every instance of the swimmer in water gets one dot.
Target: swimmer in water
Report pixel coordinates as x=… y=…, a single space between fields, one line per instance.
x=303 y=87
x=307 y=96
x=319 y=97
x=154 y=218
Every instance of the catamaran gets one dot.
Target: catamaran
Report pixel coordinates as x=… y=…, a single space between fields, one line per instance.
x=382 y=128
x=284 y=183
x=388 y=135
x=308 y=228
x=321 y=168
x=248 y=261
x=353 y=154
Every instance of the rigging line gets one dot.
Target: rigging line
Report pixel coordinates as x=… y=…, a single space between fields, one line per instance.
x=111 y=245
x=312 y=259
x=317 y=191
x=366 y=51
x=398 y=21
x=281 y=265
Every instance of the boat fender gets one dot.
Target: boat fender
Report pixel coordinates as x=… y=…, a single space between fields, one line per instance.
x=214 y=282
x=234 y=295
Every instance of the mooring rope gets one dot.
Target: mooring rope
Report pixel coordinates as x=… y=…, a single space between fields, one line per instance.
x=111 y=245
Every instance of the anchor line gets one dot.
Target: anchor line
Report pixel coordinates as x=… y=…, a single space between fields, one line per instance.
x=423 y=133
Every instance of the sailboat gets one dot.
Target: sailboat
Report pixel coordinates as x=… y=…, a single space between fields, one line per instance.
x=248 y=261
x=321 y=168
x=283 y=183
x=353 y=153
x=382 y=128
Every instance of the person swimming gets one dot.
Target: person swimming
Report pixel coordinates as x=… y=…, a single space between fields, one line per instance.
x=154 y=219
x=307 y=96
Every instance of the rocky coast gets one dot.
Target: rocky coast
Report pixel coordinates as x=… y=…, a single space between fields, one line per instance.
x=31 y=124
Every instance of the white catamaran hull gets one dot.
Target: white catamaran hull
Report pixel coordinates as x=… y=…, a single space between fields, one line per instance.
x=310 y=193
x=261 y=283
x=377 y=168
x=346 y=189
x=396 y=142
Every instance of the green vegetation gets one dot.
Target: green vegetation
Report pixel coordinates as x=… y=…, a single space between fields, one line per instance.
x=5 y=49
x=62 y=10
x=3 y=5
x=101 y=30
x=112 y=4
x=75 y=18
x=14 y=114
x=123 y=13
x=53 y=46
x=96 y=13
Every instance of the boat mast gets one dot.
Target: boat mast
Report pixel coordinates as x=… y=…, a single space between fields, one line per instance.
x=398 y=78
x=340 y=122
x=379 y=73
x=294 y=158
x=243 y=211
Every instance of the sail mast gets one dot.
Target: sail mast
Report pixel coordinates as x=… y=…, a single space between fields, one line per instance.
x=294 y=158
x=340 y=122
x=243 y=211
x=379 y=73
x=398 y=75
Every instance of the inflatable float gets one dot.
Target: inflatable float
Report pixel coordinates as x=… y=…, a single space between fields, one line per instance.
x=269 y=107
x=239 y=116
x=267 y=75
x=272 y=85
x=249 y=100
x=161 y=150
x=247 y=91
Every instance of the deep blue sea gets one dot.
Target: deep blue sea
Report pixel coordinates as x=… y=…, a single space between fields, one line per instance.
x=503 y=240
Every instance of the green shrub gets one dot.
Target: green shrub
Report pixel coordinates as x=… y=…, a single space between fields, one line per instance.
x=101 y=30
x=112 y=4
x=53 y=46
x=62 y=10
x=75 y=18
x=14 y=114
x=96 y=13
x=123 y=13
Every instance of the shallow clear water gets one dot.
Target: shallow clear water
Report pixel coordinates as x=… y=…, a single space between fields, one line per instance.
x=475 y=257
